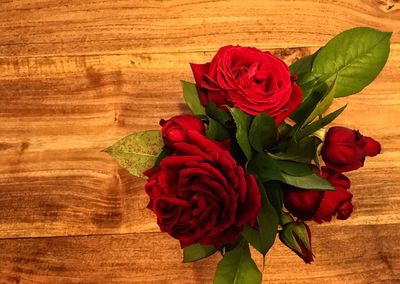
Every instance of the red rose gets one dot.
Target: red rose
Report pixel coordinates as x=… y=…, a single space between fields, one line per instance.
x=345 y=149
x=200 y=194
x=321 y=205
x=249 y=79
x=173 y=130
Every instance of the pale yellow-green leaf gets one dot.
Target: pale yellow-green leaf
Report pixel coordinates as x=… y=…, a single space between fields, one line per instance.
x=137 y=152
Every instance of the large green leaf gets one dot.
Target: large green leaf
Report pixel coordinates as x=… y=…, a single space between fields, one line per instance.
x=196 y=252
x=137 y=152
x=312 y=181
x=263 y=132
x=237 y=267
x=355 y=57
x=243 y=122
x=294 y=168
x=192 y=99
x=268 y=221
x=268 y=169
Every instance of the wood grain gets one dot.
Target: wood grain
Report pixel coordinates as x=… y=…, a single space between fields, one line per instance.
x=86 y=27
x=156 y=258
x=75 y=76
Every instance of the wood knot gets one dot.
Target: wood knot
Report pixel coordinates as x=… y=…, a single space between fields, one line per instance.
x=290 y=55
x=388 y=6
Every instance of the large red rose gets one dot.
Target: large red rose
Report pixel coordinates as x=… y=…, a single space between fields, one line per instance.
x=321 y=205
x=345 y=149
x=174 y=129
x=249 y=79
x=200 y=194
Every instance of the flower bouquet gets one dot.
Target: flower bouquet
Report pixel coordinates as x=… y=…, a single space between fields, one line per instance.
x=254 y=159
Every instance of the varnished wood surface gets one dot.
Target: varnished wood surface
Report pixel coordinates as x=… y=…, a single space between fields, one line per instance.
x=75 y=76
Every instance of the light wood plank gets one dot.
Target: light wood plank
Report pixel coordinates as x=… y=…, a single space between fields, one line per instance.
x=357 y=254
x=43 y=27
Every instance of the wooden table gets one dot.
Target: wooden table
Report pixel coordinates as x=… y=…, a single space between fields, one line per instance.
x=77 y=75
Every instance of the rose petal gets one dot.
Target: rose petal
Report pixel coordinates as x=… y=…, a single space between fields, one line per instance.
x=303 y=203
x=345 y=210
x=373 y=147
x=331 y=202
x=199 y=70
x=346 y=168
x=295 y=101
x=338 y=134
x=249 y=209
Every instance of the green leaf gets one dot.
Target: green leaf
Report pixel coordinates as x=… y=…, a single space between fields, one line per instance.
x=137 y=152
x=355 y=57
x=160 y=157
x=302 y=151
x=253 y=237
x=263 y=132
x=218 y=114
x=237 y=267
x=268 y=221
x=192 y=99
x=216 y=131
x=302 y=66
x=307 y=107
x=315 y=126
x=294 y=168
x=275 y=193
x=311 y=109
x=284 y=129
x=312 y=181
x=322 y=105
x=196 y=252
x=265 y=167
x=242 y=121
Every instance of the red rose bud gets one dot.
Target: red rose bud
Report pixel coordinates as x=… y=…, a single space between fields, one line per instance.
x=173 y=130
x=297 y=236
x=345 y=149
x=201 y=195
x=249 y=79
x=321 y=205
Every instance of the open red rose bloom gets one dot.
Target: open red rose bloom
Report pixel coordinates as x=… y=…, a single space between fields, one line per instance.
x=255 y=159
x=200 y=194
x=249 y=79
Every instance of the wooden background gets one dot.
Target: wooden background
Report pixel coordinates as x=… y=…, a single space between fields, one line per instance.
x=77 y=75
